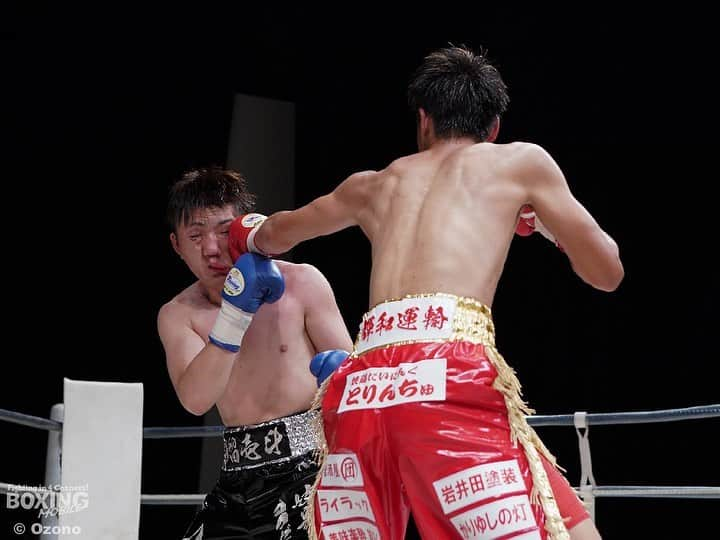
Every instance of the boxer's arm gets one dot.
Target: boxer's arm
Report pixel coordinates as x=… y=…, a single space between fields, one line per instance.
x=199 y=372
x=323 y=321
x=325 y=215
x=592 y=252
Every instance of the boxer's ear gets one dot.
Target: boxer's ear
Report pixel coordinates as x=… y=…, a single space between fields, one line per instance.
x=494 y=130
x=422 y=119
x=174 y=243
x=425 y=130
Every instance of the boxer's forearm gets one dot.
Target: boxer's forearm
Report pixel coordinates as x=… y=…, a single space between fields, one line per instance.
x=276 y=235
x=597 y=261
x=203 y=383
x=283 y=230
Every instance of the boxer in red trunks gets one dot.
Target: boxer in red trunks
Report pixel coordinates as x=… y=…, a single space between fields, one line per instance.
x=425 y=415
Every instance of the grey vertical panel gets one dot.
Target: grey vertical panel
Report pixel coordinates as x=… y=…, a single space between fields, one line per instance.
x=262 y=147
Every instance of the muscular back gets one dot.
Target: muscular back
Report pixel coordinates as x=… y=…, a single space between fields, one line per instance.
x=442 y=220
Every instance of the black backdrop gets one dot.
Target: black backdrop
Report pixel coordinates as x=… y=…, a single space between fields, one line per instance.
x=102 y=110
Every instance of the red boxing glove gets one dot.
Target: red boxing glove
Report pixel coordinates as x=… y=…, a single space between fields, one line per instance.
x=529 y=223
x=526 y=225
x=241 y=233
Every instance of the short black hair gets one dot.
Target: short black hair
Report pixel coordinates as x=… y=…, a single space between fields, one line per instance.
x=461 y=91
x=210 y=187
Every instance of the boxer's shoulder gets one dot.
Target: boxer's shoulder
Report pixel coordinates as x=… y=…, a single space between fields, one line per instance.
x=514 y=159
x=298 y=272
x=359 y=184
x=402 y=164
x=191 y=297
x=186 y=304
x=523 y=152
x=301 y=279
x=514 y=149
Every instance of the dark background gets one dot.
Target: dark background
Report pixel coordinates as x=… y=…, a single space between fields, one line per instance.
x=102 y=110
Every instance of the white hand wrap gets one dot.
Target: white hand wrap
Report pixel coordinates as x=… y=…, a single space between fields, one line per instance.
x=230 y=327
x=539 y=227
x=251 y=240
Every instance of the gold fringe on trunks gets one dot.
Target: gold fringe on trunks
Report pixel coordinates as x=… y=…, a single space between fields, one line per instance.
x=520 y=431
x=320 y=458
x=473 y=323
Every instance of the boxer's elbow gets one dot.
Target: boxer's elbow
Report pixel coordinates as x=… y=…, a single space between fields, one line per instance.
x=611 y=280
x=195 y=406
x=600 y=265
x=604 y=277
x=614 y=272
x=193 y=401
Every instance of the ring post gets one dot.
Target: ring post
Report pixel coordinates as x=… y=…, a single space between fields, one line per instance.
x=101 y=461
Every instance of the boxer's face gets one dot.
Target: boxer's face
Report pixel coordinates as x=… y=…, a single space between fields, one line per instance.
x=202 y=243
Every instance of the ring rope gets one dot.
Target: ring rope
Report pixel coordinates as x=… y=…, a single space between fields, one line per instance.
x=592 y=419
x=667 y=415
x=31 y=421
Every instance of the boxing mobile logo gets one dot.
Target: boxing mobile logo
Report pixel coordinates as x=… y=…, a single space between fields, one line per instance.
x=48 y=501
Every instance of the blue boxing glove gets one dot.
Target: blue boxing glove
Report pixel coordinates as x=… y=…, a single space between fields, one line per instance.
x=323 y=364
x=252 y=282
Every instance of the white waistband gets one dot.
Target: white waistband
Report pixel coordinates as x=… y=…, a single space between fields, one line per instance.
x=423 y=318
x=427 y=317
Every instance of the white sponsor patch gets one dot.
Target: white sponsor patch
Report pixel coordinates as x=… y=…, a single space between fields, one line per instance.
x=477 y=483
x=423 y=318
x=250 y=220
x=343 y=504
x=376 y=388
x=351 y=529
x=342 y=470
x=234 y=282
x=496 y=519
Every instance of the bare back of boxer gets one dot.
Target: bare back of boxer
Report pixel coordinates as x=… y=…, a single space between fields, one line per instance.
x=443 y=219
